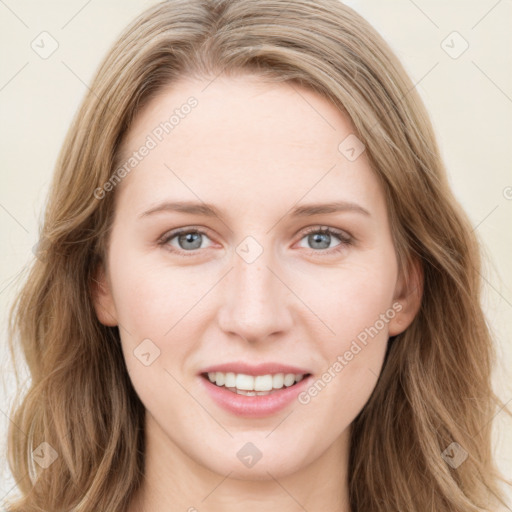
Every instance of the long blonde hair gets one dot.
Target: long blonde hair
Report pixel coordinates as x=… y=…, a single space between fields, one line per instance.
x=435 y=386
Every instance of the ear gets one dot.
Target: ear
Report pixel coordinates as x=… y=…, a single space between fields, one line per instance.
x=407 y=299
x=102 y=298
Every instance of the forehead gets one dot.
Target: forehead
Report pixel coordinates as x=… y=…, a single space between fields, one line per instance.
x=243 y=108
x=243 y=137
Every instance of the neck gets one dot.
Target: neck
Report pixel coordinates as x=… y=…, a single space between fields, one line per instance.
x=175 y=482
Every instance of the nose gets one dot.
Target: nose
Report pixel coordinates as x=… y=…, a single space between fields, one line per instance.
x=256 y=301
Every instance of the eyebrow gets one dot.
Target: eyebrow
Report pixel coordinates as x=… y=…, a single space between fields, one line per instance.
x=209 y=210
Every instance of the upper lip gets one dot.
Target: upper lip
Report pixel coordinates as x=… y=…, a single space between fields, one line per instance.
x=252 y=369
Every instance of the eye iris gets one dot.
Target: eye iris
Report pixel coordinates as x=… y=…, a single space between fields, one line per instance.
x=190 y=237
x=317 y=238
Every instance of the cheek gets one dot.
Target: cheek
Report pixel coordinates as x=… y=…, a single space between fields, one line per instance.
x=149 y=297
x=158 y=336
x=354 y=358
x=338 y=395
x=153 y=306
x=353 y=297
x=356 y=303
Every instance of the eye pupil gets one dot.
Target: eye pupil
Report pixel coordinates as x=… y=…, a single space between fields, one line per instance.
x=317 y=238
x=191 y=238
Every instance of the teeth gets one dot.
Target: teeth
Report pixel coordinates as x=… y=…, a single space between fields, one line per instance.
x=245 y=382
x=246 y=393
x=249 y=385
x=263 y=382
x=230 y=380
x=289 y=379
x=220 y=378
x=278 y=381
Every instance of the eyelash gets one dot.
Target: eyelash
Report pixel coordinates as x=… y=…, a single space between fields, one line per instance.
x=345 y=240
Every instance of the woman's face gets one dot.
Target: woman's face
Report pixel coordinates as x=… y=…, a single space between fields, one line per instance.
x=256 y=283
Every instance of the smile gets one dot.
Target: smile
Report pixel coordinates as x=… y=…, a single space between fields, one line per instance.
x=250 y=385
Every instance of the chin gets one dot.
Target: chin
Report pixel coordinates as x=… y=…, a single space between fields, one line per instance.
x=260 y=467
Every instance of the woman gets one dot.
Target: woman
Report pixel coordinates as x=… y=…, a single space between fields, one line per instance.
x=254 y=367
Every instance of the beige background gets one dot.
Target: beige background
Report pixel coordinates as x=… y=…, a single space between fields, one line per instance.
x=469 y=98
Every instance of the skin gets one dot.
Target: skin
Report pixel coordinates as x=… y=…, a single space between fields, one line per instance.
x=255 y=151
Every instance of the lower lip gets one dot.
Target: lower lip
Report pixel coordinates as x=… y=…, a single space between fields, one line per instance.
x=254 y=406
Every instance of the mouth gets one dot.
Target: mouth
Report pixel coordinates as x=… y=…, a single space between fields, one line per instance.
x=254 y=385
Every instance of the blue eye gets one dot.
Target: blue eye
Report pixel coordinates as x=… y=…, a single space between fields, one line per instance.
x=320 y=238
x=189 y=240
